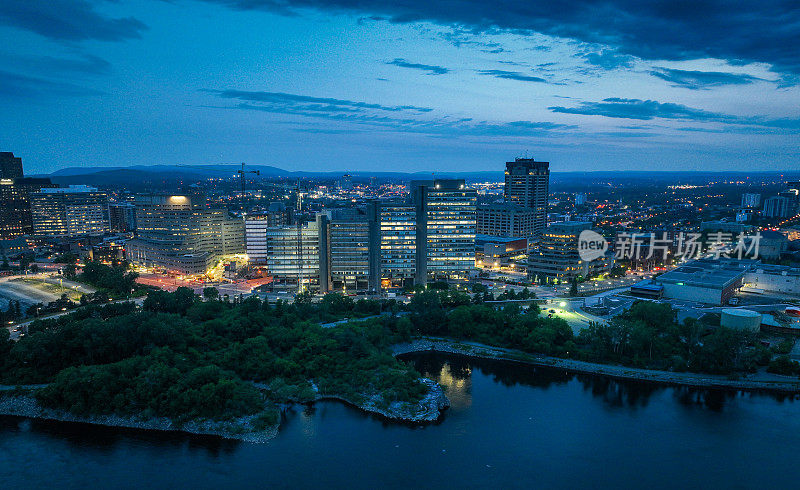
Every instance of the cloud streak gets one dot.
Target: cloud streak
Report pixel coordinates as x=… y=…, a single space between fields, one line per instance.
x=646 y=110
x=15 y=85
x=701 y=80
x=431 y=69
x=512 y=75
x=403 y=118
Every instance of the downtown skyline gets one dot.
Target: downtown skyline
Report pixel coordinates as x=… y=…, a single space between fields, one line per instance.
x=409 y=86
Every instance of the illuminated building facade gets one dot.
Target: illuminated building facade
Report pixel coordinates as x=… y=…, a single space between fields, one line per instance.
x=180 y=233
x=72 y=211
x=557 y=258
x=15 y=190
x=398 y=229
x=445 y=211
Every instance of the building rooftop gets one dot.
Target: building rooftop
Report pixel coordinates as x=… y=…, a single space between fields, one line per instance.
x=715 y=274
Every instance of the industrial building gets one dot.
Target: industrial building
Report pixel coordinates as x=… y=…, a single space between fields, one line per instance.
x=705 y=280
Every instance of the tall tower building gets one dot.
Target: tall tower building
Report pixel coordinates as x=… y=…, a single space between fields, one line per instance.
x=15 y=191
x=445 y=229
x=528 y=185
x=10 y=166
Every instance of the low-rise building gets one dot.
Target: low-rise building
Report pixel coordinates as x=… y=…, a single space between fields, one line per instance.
x=705 y=280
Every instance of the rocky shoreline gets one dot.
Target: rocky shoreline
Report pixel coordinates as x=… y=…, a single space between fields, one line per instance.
x=239 y=429
x=427 y=410
x=481 y=351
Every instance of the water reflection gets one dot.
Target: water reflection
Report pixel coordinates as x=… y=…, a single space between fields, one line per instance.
x=105 y=440
x=454 y=373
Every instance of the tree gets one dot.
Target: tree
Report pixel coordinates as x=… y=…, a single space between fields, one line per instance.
x=573 y=288
x=210 y=293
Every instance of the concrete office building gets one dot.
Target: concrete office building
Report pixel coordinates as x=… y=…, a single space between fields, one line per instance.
x=180 y=233
x=527 y=184
x=777 y=207
x=15 y=190
x=556 y=260
x=291 y=254
x=506 y=220
x=751 y=200
x=350 y=250
x=445 y=211
x=121 y=217
x=72 y=211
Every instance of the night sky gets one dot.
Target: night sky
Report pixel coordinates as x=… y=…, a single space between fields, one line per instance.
x=401 y=85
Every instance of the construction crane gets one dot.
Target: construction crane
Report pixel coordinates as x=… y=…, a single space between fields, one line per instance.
x=242 y=173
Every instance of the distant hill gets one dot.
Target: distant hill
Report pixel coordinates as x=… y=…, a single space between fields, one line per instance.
x=171 y=176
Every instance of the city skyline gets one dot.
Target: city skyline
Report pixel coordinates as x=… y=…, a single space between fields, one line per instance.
x=326 y=86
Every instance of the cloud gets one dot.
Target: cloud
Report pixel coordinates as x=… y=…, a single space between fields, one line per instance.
x=84 y=65
x=512 y=75
x=650 y=109
x=308 y=103
x=609 y=59
x=404 y=118
x=698 y=80
x=15 y=85
x=67 y=20
x=433 y=69
x=749 y=30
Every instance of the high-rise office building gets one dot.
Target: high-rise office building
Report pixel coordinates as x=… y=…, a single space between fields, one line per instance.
x=71 y=211
x=350 y=250
x=527 y=184
x=445 y=211
x=10 y=166
x=398 y=234
x=291 y=254
x=557 y=258
x=505 y=220
x=121 y=217
x=180 y=233
x=751 y=200
x=777 y=207
x=15 y=190
x=580 y=198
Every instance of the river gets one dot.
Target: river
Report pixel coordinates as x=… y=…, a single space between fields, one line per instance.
x=509 y=426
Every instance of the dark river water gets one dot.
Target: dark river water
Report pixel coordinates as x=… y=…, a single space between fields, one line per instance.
x=509 y=426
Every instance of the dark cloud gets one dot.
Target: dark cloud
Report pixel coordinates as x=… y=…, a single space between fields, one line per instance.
x=432 y=69
x=609 y=59
x=390 y=118
x=15 y=85
x=697 y=80
x=651 y=109
x=68 y=20
x=748 y=30
x=512 y=75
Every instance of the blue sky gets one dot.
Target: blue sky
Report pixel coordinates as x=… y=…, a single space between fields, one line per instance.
x=401 y=85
